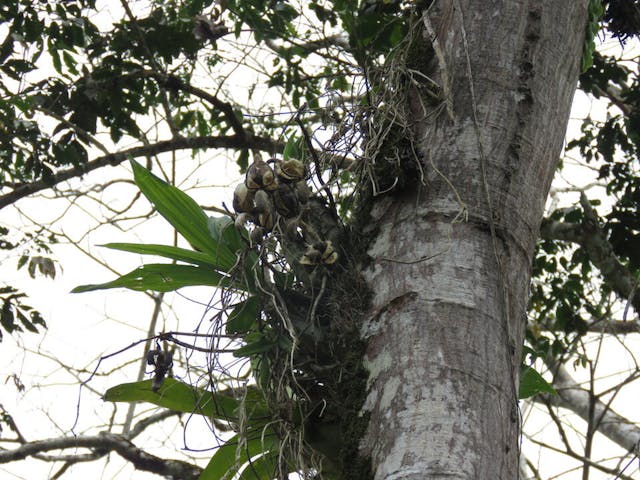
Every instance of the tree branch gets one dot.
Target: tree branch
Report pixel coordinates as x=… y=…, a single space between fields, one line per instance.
x=80 y=132
x=614 y=94
x=581 y=458
x=105 y=442
x=590 y=236
x=608 y=326
x=613 y=327
x=141 y=425
x=175 y=82
x=249 y=141
x=572 y=397
x=99 y=446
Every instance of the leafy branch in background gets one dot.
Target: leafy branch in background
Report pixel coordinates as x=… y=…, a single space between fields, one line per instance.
x=16 y=315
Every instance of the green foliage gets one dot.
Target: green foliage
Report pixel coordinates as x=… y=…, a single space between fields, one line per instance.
x=161 y=277
x=176 y=396
x=230 y=458
x=614 y=145
x=532 y=383
x=375 y=28
x=255 y=451
x=294 y=148
x=60 y=29
x=243 y=317
x=215 y=239
x=560 y=295
x=103 y=78
x=180 y=397
x=167 y=251
x=595 y=12
x=16 y=316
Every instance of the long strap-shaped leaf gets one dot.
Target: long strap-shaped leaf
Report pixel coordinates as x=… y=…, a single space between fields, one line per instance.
x=177 y=396
x=263 y=468
x=166 y=251
x=230 y=457
x=185 y=215
x=162 y=277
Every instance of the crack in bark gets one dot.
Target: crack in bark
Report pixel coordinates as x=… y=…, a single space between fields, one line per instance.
x=525 y=77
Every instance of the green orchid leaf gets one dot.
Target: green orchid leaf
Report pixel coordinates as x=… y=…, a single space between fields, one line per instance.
x=161 y=277
x=177 y=396
x=166 y=251
x=224 y=232
x=260 y=345
x=294 y=148
x=231 y=457
x=532 y=383
x=181 y=397
x=262 y=468
x=254 y=406
x=184 y=214
x=243 y=316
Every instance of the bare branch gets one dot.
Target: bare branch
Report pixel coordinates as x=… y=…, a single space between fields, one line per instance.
x=224 y=107
x=176 y=83
x=139 y=427
x=606 y=326
x=585 y=460
x=157 y=308
x=614 y=94
x=106 y=442
x=613 y=327
x=249 y=141
x=575 y=398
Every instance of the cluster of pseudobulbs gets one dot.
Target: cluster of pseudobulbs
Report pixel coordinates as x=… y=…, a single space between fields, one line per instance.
x=275 y=193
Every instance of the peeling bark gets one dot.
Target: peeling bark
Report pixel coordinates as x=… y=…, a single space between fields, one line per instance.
x=451 y=257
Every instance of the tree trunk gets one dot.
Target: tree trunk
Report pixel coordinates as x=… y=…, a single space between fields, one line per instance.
x=446 y=323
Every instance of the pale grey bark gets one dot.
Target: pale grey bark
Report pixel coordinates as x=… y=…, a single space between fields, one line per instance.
x=451 y=258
